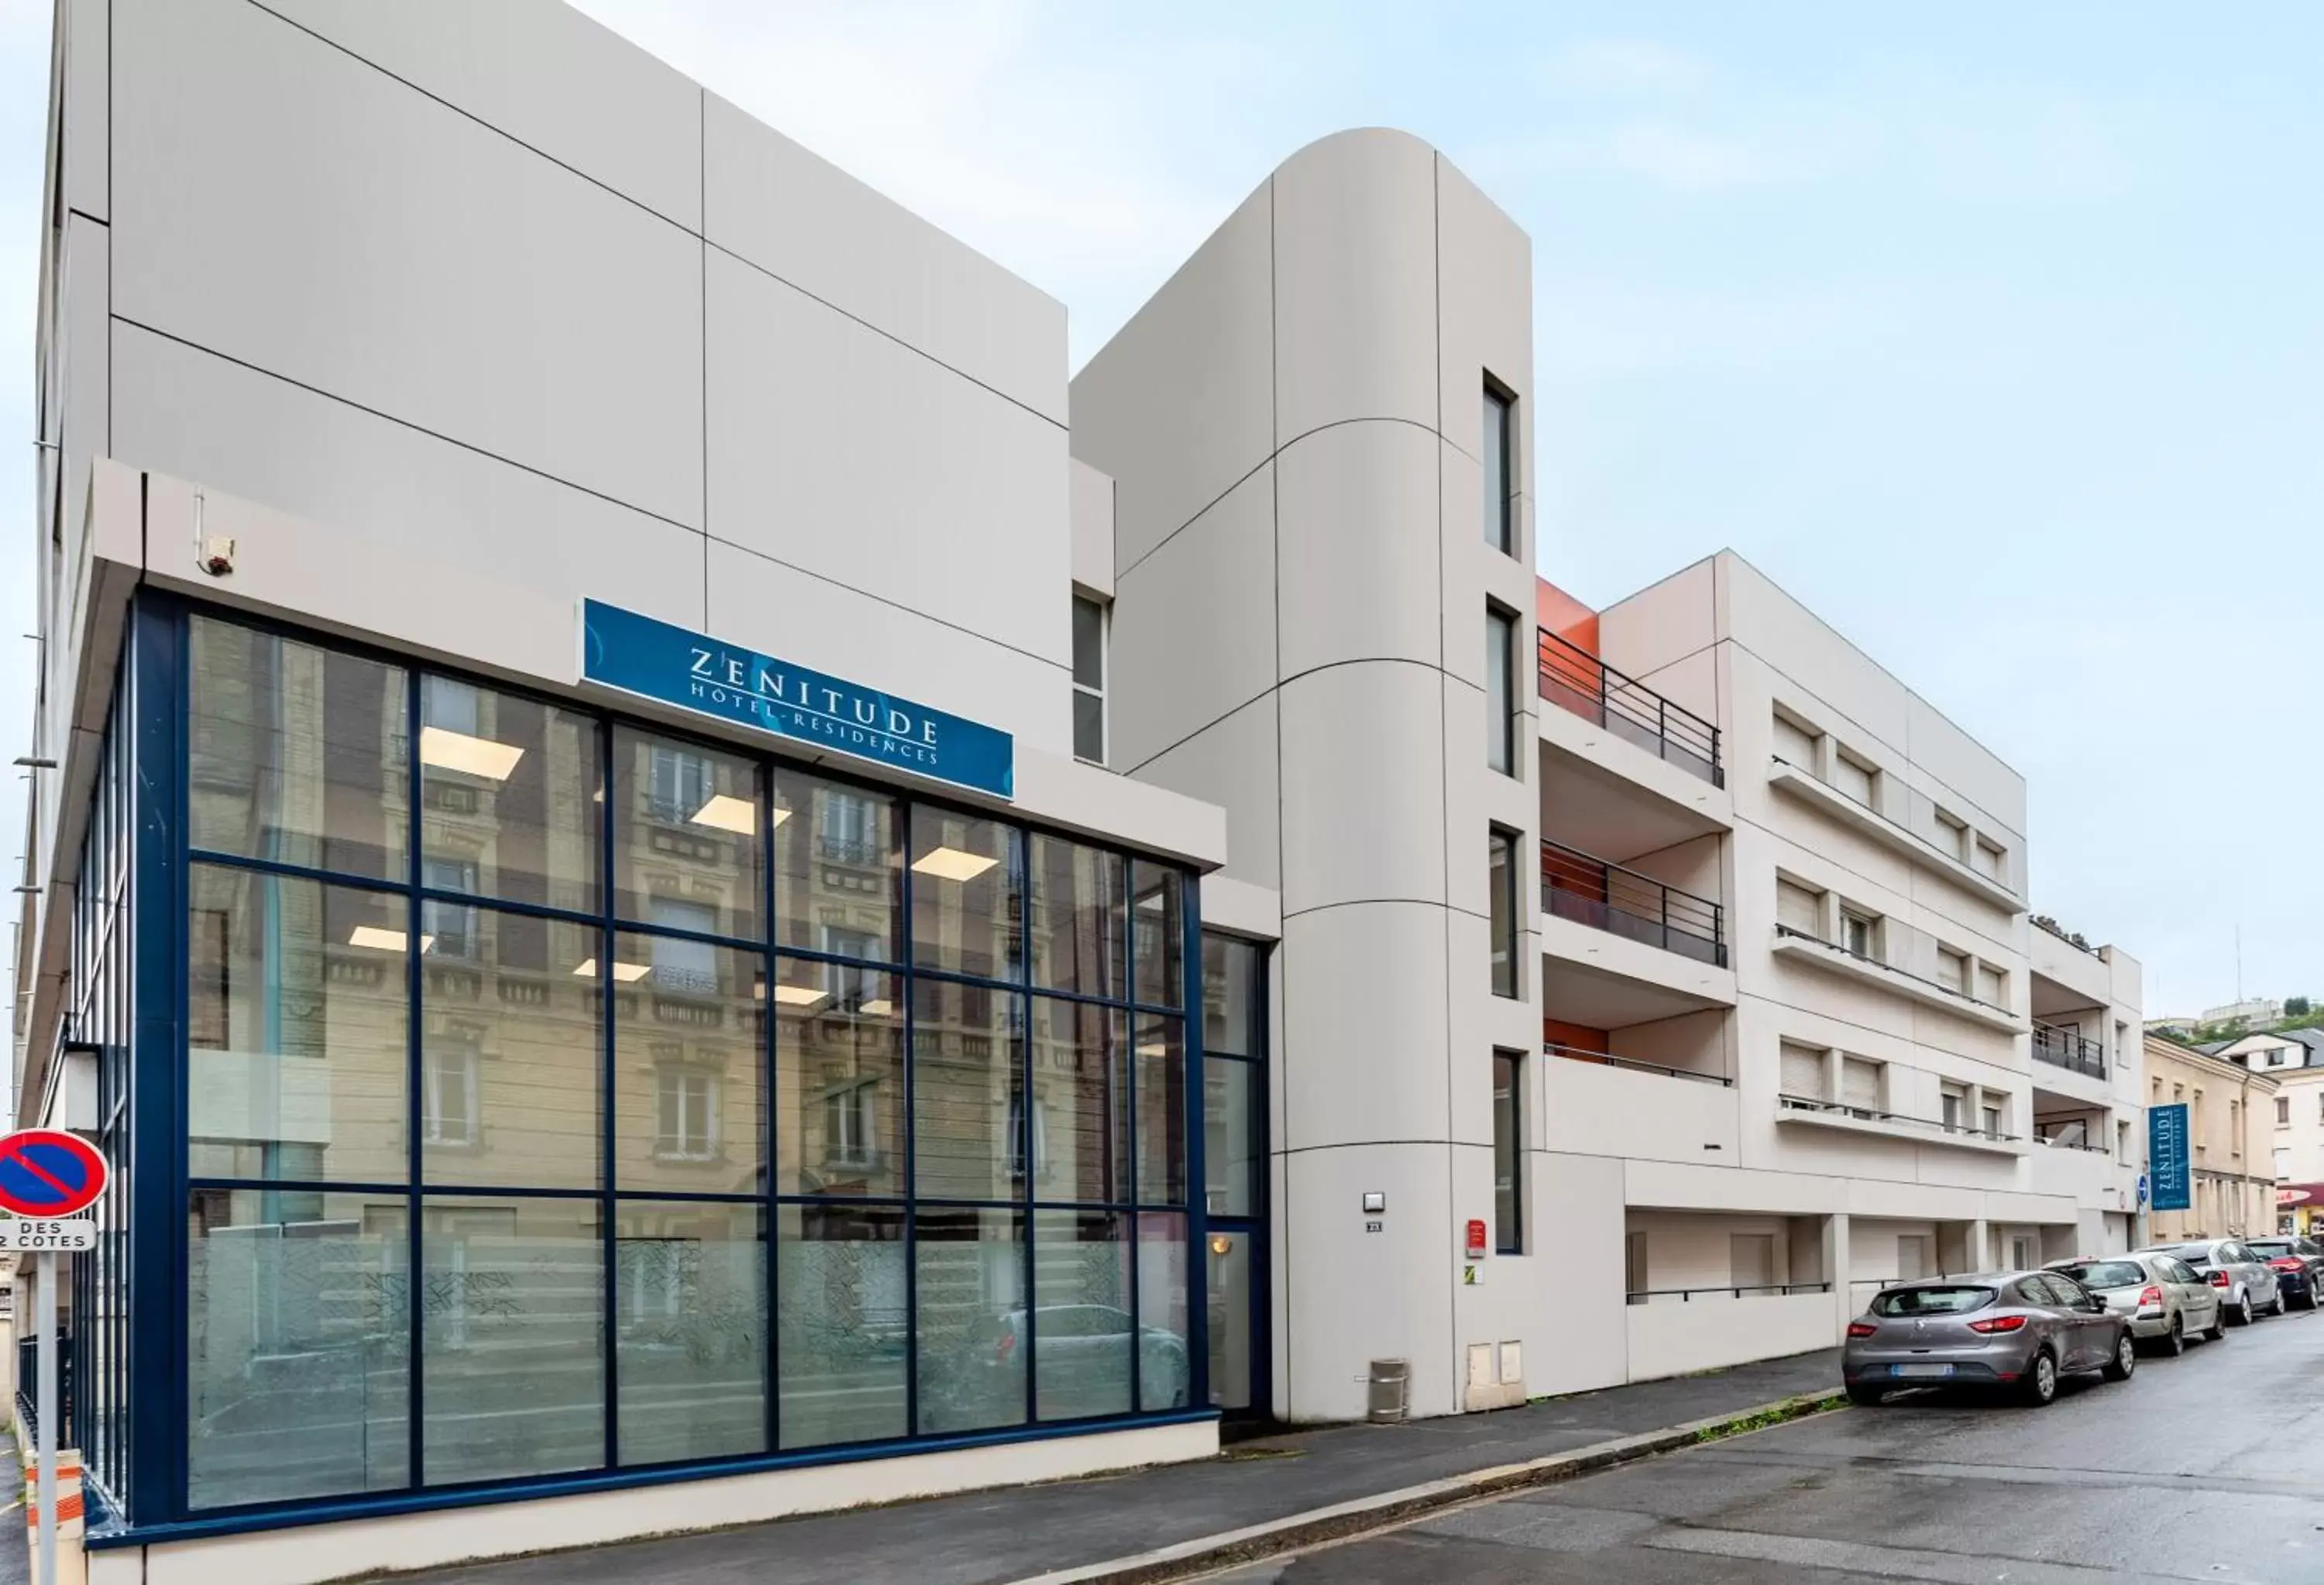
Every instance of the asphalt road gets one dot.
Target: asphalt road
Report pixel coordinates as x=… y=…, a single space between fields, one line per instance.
x=2206 y=1467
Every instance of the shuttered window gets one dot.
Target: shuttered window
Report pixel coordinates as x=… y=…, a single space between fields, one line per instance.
x=1794 y=743
x=1952 y=969
x=1860 y=1083
x=1802 y=1072
x=1992 y=986
x=1795 y=906
x=1852 y=776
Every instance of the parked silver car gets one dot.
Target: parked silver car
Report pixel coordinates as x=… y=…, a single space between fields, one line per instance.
x=2165 y=1299
x=2019 y=1330
x=2246 y=1283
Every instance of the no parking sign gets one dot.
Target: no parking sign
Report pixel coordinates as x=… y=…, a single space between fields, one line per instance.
x=47 y=1179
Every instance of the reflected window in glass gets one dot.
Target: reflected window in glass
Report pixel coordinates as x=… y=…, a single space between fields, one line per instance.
x=1080 y=1093
x=689 y=1064
x=967 y=901
x=510 y=784
x=526 y=1011
x=1161 y=1065
x=968 y=1051
x=688 y=840
x=1079 y=898
x=297 y=999
x=296 y=753
x=1157 y=922
x=838 y=865
x=839 y=1071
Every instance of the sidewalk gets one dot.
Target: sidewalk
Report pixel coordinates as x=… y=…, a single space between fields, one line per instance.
x=998 y=1537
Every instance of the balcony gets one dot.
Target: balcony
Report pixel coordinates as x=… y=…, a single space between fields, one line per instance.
x=2065 y=1049
x=1810 y=789
x=1831 y=956
x=1575 y=1053
x=1600 y=1105
x=1588 y=890
x=1578 y=682
x=1893 y=1125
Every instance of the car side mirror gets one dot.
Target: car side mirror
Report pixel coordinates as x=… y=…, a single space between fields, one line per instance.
x=2095 y=1305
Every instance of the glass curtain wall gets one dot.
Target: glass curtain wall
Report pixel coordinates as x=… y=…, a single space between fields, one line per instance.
x=566 y=1096
x=96 y=1319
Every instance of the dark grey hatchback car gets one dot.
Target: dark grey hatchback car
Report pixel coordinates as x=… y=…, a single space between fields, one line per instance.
x=2018 y=1330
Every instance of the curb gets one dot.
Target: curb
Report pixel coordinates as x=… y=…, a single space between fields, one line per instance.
x=1359 y=1515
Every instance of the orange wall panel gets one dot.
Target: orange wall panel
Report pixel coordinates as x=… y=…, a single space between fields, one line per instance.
x=1566 y=616
x=1578 y=1037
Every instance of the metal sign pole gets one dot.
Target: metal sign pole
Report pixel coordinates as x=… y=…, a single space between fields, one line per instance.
x=45 y=1410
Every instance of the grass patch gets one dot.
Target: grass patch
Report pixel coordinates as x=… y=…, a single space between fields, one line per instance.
x=1766 y=1417
x=1242 y=1455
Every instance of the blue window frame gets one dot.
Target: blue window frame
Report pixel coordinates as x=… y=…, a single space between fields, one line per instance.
x=372 y=1213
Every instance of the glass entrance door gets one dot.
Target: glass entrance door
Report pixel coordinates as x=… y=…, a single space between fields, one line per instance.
x=1234 y=1172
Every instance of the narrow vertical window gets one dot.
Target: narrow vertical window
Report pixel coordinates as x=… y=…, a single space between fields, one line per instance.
x=1499 y=446
x=1508 y=1155
x=1501 y=691
x=1503 y=878
x=1089 y=681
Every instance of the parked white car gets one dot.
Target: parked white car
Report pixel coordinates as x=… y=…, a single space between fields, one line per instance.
x=2245 y=1283
x=2167 y=1300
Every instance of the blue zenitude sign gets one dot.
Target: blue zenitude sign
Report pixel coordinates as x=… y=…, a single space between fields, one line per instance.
x=2167 y=1158
x=655 y=660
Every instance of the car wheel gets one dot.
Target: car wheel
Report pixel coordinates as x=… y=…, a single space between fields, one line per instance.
x=2174 y=1341
x=2308 y=1297
x=2124 y=1360
x=2217 y=1331
x=2041 y=1383
x=2242 y=1314
x=1864 y=1395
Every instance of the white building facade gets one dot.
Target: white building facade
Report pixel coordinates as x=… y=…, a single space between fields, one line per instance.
x=558 y=870
x=1737 y=994
x=647 y=825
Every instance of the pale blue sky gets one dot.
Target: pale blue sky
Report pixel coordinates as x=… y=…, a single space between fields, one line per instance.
x=1992 y=332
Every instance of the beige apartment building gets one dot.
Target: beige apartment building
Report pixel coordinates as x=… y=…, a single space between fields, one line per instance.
x=2294 y=1058
x=2231 y=1130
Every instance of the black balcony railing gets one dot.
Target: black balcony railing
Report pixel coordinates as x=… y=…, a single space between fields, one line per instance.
x=1748 y=1291
x=1793 y=933
x=1873 y=1115
x=1575 y=1053
x=850 y=850
x=2066 y=1049
x=1606 y=897
x=1577 y=681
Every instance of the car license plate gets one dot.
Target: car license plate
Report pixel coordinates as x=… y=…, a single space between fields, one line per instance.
x=1921 y=1370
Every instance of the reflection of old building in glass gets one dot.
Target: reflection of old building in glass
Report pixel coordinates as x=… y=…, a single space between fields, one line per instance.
x=525 y=1081
x=523 y=1049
